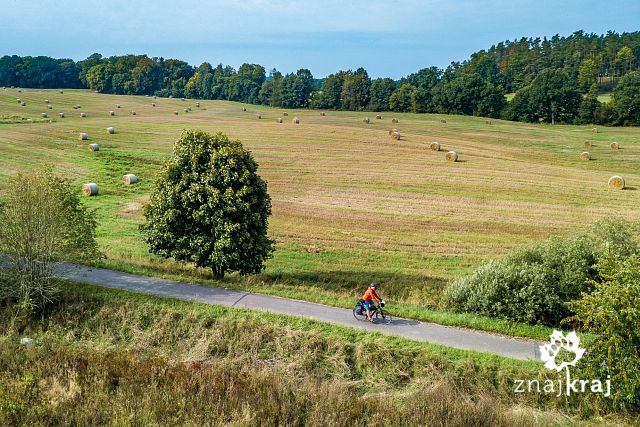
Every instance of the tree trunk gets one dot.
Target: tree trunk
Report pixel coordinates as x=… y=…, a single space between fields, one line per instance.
x=218 y=272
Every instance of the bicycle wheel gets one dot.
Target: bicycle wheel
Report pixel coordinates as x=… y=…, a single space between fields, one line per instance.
x=360 y=317
x=383 y=316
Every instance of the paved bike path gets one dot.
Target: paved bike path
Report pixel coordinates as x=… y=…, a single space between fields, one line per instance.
x=517 y=348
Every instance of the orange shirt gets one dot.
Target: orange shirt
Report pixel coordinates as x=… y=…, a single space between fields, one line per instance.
x=371 y=295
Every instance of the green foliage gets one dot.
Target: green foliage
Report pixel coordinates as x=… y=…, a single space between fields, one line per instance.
x=612 y=312
x=626 y=99
x=356 y=90
x=551 y=97
x=591 y=110
x=381 y=91
x=210 y=207
x=43 y=221
x=401 y=100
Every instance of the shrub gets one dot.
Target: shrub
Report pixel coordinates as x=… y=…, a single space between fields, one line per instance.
x=43 y=221
x=612 y=311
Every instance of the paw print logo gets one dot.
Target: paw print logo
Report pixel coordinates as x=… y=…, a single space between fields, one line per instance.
x=570 y=343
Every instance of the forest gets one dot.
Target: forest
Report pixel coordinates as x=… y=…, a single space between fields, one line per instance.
x=551 y=80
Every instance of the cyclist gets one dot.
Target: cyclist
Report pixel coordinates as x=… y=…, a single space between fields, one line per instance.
x=370 y=298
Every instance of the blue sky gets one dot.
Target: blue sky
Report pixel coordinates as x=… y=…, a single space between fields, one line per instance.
x=388 y=38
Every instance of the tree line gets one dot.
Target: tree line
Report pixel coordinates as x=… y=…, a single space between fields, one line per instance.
x=552 y=80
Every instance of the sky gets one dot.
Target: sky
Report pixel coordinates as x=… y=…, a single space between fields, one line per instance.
x=387 y=38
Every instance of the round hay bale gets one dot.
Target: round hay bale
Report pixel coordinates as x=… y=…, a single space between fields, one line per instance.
x=296 y=120
x=394 y=120
x=285 y=114
x=46 y=101
x=90 y=189
x=133 y=113
x=366 y=120
x=443 y=121
x=112 y=113
x=594 y=130
x=83 y=136
x=244 y=109
x=435 y=146
x=94 y=147
x=585 y=155
x=258 y=116
x=182 y=99
x=588 y=144
x=50 y=107
x=392 y=131
x=18 y=100
x=615 y=145
x=488 y=122
x=130 y=179
x=378 y=117
x=44 y=115
x=111 y=130
x=117 y=105
x=395 y=135
x=62 y=115
x=452 y=156
x=616 y=182
x=24 y=104
x=19 y=90
x=186 y=110
x=155 y=97
x=83 y=114
x=323 y=114
x=197 y=105
x=175 y=112
x=61 y=92
x=279 y=120
x=153 y=104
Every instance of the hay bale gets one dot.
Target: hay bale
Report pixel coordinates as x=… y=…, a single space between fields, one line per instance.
x=111 y=130
x=258 y=116
x=19 y=90
x=18 y=100
x=323 y=114
x=130 y=179
x=366 y=120
x=83 y=136
x=435 y=146
x=244 y=109
x=175 y=112
x=395 y=135
x=186 y=110
x=83 y=114
x=394 y=120
x=112 y=113
x=452 y=156
x=585 y=155
x=279 y=120
x=392 y=131
x=296 y=120
x=197 y=105
x=44 y=115
x=488 y=122
x=594 y=130
x=153 y=104
x=62 y=115
x=133 y=113
x=61 y=92
x=443 y=121
x=615 y=145
x=155 y=97
x=285 y=114
x=378 y=117
x=90 y=189
x=117 y=105
x=616 y=182
x=94 y=147
x=50 y=107
x=588 y=144
x=24 y=104
x=46 y=101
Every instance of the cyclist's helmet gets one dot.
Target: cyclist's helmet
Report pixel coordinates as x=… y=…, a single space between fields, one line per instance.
x=373 y=285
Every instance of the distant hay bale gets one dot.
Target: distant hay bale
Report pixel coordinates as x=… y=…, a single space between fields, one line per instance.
x=50 y=107
x=90 y=189
x=395 y=135
x=435 y=146
x=19 y=90
x=83 y=114
x=285 y=114
x=18 y=100
x=366 y=120
x=153 y=104
x=46 y=101
x=394 y=120
x=452 y=156
x=323 y=114
x=197 y=104
x=585 y=155
x=443 y=121
x=279 y=120
x=296 y=120
x=488 y=122
x=94 y=147
x=186 y=110
x=615 y=145
x=175 y=112
x=130 y=179
x=392 y=131
x=117 y=105
x=244 y=109
x=155 y=97
x=62 y=115
x=44 y=115
x=182 y=99
x=588 y=144
x=594 y=130
x=378 y=117
x=133 y=113
x=258 y=116
x=111 y=130
x=83 y=136
x=616 y=182
x=112 y=113
x=61 y=92
x=24 y=104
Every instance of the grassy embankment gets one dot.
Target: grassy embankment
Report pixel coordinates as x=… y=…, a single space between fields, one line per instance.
x=349 y=204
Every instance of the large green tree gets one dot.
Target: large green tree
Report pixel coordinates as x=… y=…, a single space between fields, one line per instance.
x=210 y=207
x=626 y=99
x=381 y=90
